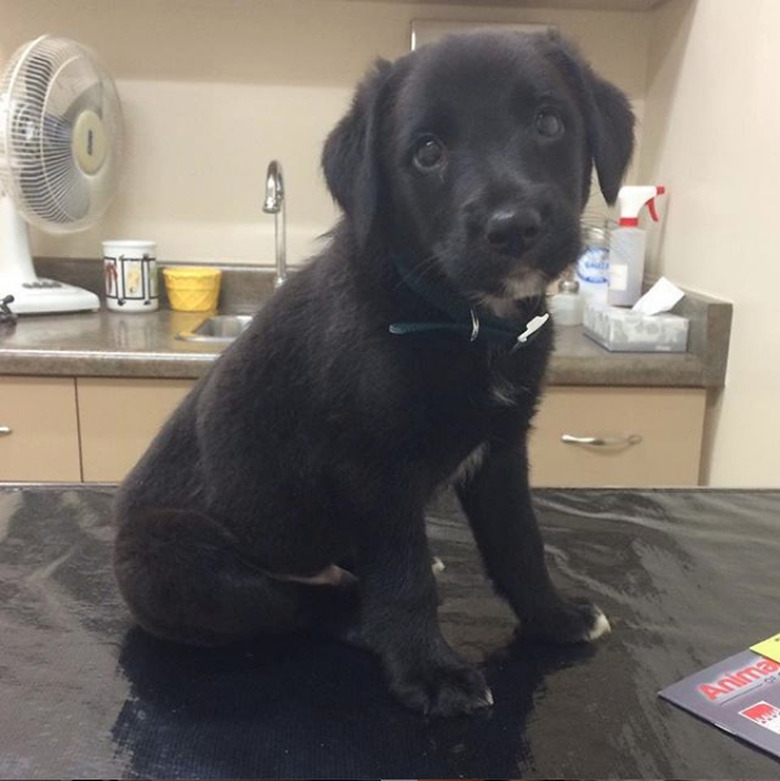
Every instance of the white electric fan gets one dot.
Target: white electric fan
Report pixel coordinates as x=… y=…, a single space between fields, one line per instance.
x=60 y=154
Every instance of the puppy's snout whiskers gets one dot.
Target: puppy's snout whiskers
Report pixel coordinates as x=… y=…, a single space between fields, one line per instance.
x=422 y=270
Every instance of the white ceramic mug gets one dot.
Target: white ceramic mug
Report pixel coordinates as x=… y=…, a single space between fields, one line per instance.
x=130 y=270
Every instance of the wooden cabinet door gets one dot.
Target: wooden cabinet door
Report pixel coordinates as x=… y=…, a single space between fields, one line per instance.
x=39 y=440
x=653 y=437
x=118 y=419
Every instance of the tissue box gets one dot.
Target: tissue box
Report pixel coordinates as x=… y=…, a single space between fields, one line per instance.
x=621 y=330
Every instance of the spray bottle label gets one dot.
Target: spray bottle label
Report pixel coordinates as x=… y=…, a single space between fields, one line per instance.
x=618 y=276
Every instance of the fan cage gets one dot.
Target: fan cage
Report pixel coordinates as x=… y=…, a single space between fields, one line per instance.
x=44 y=88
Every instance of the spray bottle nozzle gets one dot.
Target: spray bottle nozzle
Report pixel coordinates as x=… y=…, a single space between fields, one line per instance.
x=651 y=209
x=633 y=199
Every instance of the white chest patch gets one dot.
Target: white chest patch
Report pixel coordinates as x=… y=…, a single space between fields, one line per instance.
x=470 y=464
x=531 y=285
x=502 y=392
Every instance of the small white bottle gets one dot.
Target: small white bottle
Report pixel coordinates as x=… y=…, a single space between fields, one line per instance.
x=627 y=244
x=567 y=304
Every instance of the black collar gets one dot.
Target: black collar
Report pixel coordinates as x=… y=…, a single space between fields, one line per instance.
x=463 y=317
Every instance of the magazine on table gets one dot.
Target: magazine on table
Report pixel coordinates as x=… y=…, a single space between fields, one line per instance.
x=740 y=695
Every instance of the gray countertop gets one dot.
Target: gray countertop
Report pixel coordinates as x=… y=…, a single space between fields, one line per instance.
x=109 y=344
x=106 y=344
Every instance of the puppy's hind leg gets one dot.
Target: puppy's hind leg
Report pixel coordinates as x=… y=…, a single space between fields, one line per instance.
x=184 y=578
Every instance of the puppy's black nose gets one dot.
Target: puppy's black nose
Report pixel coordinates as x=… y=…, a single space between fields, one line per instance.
x=513 y=231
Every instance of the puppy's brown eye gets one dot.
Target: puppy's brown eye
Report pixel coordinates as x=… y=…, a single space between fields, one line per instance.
x=549 y=124
x=428 y=154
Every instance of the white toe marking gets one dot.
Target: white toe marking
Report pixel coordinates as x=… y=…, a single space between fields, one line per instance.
x=489 y=697
x=600 y=627
x=437 y=565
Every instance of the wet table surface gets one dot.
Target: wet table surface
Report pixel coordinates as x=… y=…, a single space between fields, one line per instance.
x=687 y=577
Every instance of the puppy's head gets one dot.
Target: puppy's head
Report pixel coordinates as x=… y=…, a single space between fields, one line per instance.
x=474 y=156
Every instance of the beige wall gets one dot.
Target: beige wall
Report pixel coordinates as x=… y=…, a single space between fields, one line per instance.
x=711 y=134
x=213 y=89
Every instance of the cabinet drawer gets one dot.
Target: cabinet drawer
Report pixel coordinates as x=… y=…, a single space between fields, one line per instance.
x=669 y=422
x=40 y=439
x=119 y=418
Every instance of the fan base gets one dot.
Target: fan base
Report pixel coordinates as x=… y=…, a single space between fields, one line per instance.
x=46 y=296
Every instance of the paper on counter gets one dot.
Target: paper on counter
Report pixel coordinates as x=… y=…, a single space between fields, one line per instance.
x=770 y=648
x=661 y=297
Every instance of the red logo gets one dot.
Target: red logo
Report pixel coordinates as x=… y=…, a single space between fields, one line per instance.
x=762 y=669
x=762 y=712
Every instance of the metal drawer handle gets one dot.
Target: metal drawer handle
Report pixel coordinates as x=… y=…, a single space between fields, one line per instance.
x=625 y=441
x=5 y=431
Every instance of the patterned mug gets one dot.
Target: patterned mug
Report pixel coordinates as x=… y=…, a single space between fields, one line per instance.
x=130 y=269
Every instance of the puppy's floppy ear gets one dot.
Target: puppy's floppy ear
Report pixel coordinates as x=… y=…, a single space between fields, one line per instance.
x=609 y=119
x=350 y=157
x=611 y=134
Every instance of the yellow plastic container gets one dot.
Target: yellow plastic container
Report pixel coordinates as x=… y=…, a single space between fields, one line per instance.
x=192 y=288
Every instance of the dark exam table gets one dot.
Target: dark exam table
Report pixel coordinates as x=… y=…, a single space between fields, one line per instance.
x=687 y=578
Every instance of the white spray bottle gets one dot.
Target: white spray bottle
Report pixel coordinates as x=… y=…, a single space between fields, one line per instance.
x=627 y=245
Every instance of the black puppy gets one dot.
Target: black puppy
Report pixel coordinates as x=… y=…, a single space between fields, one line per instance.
x=288 y=490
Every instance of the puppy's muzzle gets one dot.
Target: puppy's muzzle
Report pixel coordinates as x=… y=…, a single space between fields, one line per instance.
x=510 y=223
x=513 y=231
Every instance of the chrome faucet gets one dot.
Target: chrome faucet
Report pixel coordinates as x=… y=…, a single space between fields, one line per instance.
x=274 y=204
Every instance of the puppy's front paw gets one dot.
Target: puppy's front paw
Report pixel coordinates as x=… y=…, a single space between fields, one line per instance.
x=567 y=622
x=441 y=688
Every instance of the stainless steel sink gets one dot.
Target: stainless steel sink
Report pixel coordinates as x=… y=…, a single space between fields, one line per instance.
x=218 y=329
